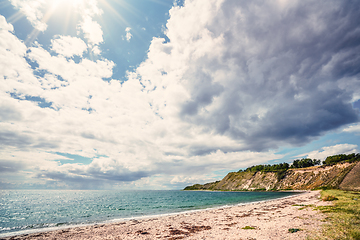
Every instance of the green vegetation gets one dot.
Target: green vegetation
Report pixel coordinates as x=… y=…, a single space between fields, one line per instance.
x=282 y=167
x=342 y=158
x=194 y=187
x=207 y=186
x=343 y=217
x=294 y=230
x=267 y=168
x=303 y=206
x=305 y=162
x=248 y=227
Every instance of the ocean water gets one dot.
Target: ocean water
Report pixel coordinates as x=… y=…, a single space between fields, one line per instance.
x=25 y=211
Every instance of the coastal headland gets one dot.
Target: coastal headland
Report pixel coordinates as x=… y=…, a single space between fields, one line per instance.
x=287 y=218
x=337 y=172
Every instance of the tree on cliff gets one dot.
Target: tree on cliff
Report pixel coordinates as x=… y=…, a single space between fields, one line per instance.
x=305 y=162
x=331 y=160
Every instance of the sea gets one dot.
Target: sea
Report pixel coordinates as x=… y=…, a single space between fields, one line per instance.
x=29 y=211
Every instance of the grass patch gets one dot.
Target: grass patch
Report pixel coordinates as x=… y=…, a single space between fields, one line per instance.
x=303 y=206
x=248 y=227
x=294 y=230
x=306 y=206
x=343 y=217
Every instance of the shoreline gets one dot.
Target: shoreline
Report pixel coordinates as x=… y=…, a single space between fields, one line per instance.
x=265 y=218
x=124 y=219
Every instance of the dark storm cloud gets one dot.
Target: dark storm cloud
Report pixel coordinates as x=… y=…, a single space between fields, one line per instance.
x=205 y=91
x=295 y=69
x=116 y=175
x=319 y=116
x=24 y=140
x=91 y=177
x=10 y=166
x=72 y=181
x=14 y=139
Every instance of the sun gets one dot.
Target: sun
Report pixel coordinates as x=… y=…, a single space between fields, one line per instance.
x=67 y=3
x=65 y=15
x=66 y=8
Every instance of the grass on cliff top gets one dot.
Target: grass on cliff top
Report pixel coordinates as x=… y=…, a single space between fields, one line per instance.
x=343 y=217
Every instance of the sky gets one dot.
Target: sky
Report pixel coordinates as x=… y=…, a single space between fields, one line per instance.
x=162 y=94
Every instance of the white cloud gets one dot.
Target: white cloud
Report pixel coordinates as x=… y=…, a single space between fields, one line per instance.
x=87 y=114
x=128 y=35
x=33 y=10
x=90 y=8
x=332 y=150
x=68 y=46
x=13 y=67
x=92 y=30
x=96 y=50
x=29 y=159
x=353 y=128
x=4 y=25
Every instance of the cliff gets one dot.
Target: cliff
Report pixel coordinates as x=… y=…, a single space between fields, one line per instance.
x=343 y=176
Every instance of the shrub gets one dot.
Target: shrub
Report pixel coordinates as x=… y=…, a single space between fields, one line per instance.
x=329 y=198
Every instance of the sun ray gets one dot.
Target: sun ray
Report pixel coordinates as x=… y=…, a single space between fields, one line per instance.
x=51 y=8
x=67 y=19
x=15 y=17
x=33 y=35
x=113 y=11
x=161 y=2
x=129 y=8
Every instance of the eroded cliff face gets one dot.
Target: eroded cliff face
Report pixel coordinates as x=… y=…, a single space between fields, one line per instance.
x=352 y=179
x=345 y=176
x=315 y=177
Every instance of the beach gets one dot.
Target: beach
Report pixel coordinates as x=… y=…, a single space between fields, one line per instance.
x=261 y=220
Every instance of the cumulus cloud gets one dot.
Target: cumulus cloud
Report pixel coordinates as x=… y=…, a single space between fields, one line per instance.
x=83 y=113
x=332 y=150
x=13 y=66
x=4 y=25
x=33 y=11
x=68 y=46
x=353 y=128
x=92 y=30
x=259 y=72
x=96 y=50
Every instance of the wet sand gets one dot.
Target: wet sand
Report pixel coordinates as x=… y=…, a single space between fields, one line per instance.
x=265 y=220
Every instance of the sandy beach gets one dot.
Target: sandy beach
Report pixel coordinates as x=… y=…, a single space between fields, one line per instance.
x=264 y=220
